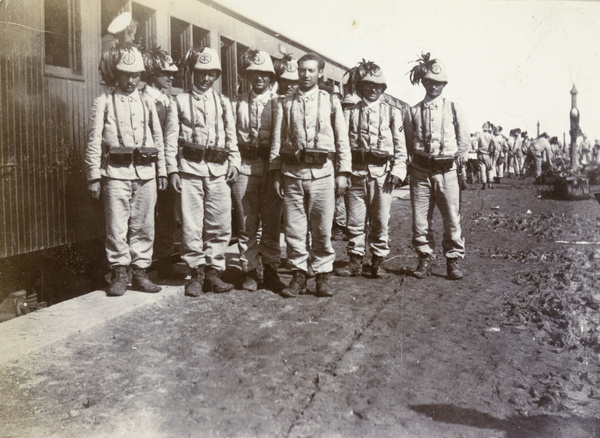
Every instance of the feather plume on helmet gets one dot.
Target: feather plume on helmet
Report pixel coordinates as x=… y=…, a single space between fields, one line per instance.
x=247 y=59
x=418 y=71
x=110 y=59
x=157 y=61
x=363 y=70
x=428 y=68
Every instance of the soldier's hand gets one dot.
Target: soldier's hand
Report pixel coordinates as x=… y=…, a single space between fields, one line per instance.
x=278 y=184
x=341 y=183
x=232 y=173
x=175 y=182
x=95 y=189
x=162 y=183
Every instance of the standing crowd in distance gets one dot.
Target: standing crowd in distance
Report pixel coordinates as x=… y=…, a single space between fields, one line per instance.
x=289 y=161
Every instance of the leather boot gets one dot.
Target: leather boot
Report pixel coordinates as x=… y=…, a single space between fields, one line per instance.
x=118 y=285
x=141 y=282
x=194 y=286
x=212 y=282
x=483 y=186
x=271 y=279
x=297 y=285
x=454 y=272
x=324 y=285
x=490 y=186
x=424 y=267
x=376 y=266
x=353 y=268
x=250 y=281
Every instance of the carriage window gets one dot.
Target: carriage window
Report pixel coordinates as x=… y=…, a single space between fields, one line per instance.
x=183 y=37
x=62 y=42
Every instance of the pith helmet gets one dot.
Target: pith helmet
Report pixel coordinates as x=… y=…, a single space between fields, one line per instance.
x=487 y=126
x=436 y=71
x=371 y=72
x=287 y=68
x=131 y=61
x=257 y=60
x=207 y=59
x=120 y=23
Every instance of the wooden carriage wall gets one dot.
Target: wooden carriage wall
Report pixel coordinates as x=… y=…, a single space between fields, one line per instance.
x=49 y=78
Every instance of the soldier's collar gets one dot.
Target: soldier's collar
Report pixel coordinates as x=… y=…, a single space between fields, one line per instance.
x=197 y=94
x=153 y=92
x=263 y=97
x=427 y=102
x=310 y=94
x=135 y=95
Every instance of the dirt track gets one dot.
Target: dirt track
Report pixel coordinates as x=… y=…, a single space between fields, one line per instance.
x=512 y=350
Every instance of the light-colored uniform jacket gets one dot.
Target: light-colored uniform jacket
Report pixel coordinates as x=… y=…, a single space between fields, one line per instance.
x=208 y=122
x=131 y=111
x=261 y=113
x=456 y=136
x=296 y=122
x=382 y=128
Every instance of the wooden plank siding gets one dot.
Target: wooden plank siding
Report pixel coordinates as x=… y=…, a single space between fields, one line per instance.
x=44 y=114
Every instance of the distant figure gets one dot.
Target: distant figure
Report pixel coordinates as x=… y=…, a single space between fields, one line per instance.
x=596 y=153
x=441 y=136
x=486 y=147
x=515 y=154
x=499 y=157
x=585 y=152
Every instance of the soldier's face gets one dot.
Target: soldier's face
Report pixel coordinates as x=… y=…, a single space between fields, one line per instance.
x=204 y=79
x=260 y=80
x=164 y=80
x=309 y=74
x=370 y=91
x=127 y=81
x=433 y=88
x=285 y=86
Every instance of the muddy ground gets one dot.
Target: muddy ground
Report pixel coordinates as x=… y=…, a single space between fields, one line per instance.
x=512 y=350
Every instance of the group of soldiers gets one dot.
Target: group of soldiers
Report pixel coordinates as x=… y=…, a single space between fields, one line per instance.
x=277 y=156
x=492 y=155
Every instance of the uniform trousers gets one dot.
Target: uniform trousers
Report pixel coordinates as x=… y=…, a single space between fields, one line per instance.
x=309 y=202
x=486 y=167
x=427 y=190
x=340 y=218
x=167 y=205
x=129 y=216
x=515 y=163
x=367 y=200
x=206 y=220
x=256 y=202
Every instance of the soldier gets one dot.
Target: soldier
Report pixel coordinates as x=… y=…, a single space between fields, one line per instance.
x=339 y=231
x=309 y=134
x=255 y=200
x=499 y=157
x=486 y=147
x=158 y=75
x=202 y=158
x=286 y=73
x=441 y=137
x=123 y=156
x=376 y=135
x=515 y=154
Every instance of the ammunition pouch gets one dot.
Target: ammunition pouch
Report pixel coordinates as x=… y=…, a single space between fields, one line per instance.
x=378 y=157
x=216 y=155
x=248 y=150
x=316 y=156
x=191 y=151
x=290 y=155
x=433 y=163
x=120 y=155
x=358 y=155
x=145 y=155
x=252 y=150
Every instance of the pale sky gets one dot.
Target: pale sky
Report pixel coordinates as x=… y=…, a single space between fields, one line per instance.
x=510 y=62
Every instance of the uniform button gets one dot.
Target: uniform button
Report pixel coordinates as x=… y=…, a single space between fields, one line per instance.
x=134 y=128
